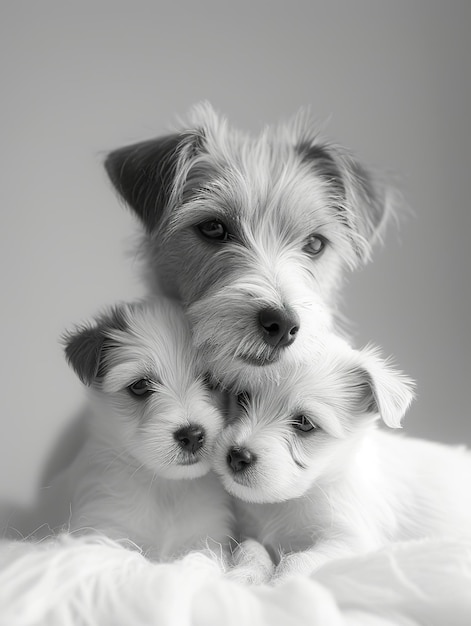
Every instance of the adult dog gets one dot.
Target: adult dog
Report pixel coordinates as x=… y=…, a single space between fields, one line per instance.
x=252 y=235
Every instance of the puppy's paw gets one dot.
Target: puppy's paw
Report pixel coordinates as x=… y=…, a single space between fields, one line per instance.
x=252 y=564
x=246 y=575
x=296 y=564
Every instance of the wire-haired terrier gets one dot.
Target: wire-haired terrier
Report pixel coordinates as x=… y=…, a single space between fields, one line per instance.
x=251 y=235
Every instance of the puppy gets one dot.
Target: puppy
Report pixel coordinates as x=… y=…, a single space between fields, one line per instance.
x=143 y=474
x=251 y=235
x=316 y=479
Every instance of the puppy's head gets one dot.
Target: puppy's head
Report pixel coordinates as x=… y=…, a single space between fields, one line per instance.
x=149 y=397
x=251 y=234
x=283 y=438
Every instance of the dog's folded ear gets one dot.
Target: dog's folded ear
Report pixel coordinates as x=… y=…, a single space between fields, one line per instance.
x=363 y=203
x=376 y=388
x=83 y=351
x=86 y=346
x=145 y=173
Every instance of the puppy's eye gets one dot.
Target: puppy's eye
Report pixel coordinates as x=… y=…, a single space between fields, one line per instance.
x=304 y=424
x=213 y=230
x=141 y=388
x=315 y=245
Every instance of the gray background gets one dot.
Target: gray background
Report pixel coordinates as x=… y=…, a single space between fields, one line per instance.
x=389 y=80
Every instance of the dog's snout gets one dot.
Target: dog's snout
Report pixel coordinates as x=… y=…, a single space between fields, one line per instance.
x=190 y=438
x=279 y=326
x=240 y=459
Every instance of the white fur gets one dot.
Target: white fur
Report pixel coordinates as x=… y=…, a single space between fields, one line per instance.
x=229 y=315
x=275 y=204
x=346 y=487
x=90 y=581
x=272 y=192
x=131 y=480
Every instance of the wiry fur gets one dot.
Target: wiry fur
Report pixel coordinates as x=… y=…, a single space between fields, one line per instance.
x=271 y=192
x=132 y=480
x=346 y=487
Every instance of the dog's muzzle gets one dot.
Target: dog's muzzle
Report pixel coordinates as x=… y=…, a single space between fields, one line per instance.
x=190 y=438
x=279 y=326
x=240 y=459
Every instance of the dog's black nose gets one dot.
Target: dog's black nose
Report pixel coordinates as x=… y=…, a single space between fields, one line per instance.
x=279 y=326
x=239 y=459
x=190 y=438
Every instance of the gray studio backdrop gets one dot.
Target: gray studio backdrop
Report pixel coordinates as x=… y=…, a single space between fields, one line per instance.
x=390 y=80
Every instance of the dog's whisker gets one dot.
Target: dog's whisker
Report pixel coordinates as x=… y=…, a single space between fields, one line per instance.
x=115 y=458
x=136 y=470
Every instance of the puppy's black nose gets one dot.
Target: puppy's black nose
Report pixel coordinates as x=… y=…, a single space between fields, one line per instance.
x=239 y=459
x=279 y=326
x=190 y=438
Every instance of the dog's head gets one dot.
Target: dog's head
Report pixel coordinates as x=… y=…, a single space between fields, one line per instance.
x=283 y=438
x=252 y=235
x=148 y=394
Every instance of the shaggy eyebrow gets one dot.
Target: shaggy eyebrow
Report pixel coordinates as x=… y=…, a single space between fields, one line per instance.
x=124 y=374
x=312 y=417
x=330 y=424
x=195 y=213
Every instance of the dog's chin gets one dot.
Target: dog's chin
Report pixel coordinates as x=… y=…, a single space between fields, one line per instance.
x=187 y=470
x=240 y=488
x=260 y=361
x=242 y=371
x=248 y=488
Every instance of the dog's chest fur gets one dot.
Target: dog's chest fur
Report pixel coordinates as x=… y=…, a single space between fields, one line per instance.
x=286 y=526
x=397 y=489
x=163 y=517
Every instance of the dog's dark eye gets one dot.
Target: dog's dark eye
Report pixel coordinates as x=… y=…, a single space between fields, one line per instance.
x=315 y=245
x=141 y=388
x=214 y=230
x=304 y=424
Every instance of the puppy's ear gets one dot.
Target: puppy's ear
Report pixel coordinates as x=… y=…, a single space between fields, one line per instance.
x=362 y=202
x=145 y=174
x=83 y=351
x=85 y=348
x=379 y=389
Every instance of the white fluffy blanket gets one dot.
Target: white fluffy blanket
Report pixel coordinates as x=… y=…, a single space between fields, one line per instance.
x=95 y=581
